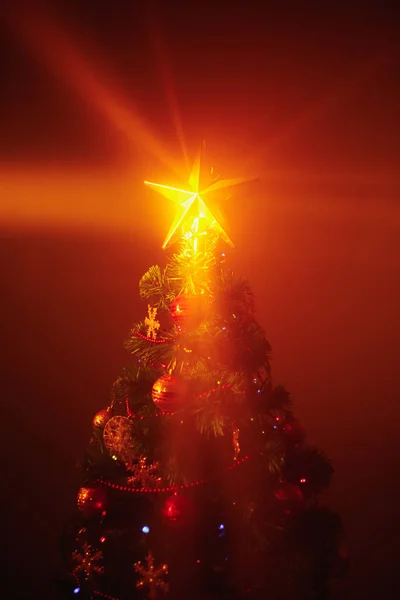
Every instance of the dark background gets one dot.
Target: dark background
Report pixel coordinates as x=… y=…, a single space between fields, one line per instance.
x=93 y=97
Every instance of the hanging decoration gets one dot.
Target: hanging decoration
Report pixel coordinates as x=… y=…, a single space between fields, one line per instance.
x=87 y=562
x=143 y=475
x=236 y=444
x=101 y=418
x=91 y=500
x=151 y=323
x=151 y=577
x=289 y=492
x=179 y=310
x=168 y=393
x=172 y=507
x=119 y=439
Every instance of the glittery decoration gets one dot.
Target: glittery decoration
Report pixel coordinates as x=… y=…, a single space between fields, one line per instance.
x=144 y=475
x=151 y=577
x=87 y=561
x=236 y=444
x=118 y=439
x=151 y=322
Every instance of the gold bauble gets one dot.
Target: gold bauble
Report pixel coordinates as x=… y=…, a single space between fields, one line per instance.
x=101 y=418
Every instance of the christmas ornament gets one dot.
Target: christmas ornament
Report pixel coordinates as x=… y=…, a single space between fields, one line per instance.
x=293 y=430
x=151 y=577
x=194 y=216
x=179 y=309
x=87 y=561
x=289 y=492
x=176 y=506
x=143 y=475
x=100 y=418
x=236 y=444
x=151 y=322
x=168 y=393
x=119 y=439
x=91 y=500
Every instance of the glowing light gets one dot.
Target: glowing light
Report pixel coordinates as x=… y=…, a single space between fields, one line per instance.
x=221 y=527
x=77 y=590
x=194 y=216
x=102 y=539
x=303 y=480
x=145 y=529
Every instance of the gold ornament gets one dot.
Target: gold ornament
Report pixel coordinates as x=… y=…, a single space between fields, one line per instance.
x=236 y=444
x=143 y=475
x=151 y=322
x=118 y=439
x=100 y=418
x=151 y=577
x=194 y=217
x=87 y=561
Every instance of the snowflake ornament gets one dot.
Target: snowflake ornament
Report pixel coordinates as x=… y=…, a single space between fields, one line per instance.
x=151 y=322
x=143 y=475
x=151 y=577
x=87 y=561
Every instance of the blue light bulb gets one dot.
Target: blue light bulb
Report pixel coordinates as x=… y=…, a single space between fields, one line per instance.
x=77 y=590
x=145 y=529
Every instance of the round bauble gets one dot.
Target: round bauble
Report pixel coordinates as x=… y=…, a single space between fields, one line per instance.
x=168 y=393
x=91 y=500
x=176 y=507
x=101 y=418
x=289 y=492
x=179 y=310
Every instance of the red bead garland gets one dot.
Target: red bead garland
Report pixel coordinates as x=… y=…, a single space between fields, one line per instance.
x=148 y=339
x=161 y=490
x=106 y=596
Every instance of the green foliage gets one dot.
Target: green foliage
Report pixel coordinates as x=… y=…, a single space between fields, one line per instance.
x=279 y=399
x=311 y=464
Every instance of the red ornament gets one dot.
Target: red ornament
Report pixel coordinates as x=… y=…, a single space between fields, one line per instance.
x=101 y=418
x=289 y=492
x=171 y=508
x=176 y=506
x=168 y=393
x=179 y=310
x=91 y=500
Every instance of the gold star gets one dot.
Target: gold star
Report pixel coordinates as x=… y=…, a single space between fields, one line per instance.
x=194 y=216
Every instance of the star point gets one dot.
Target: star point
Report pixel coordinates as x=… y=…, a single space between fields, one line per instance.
x=194 y=216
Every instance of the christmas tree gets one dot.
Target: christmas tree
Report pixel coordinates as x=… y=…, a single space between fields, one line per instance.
x=198 y=481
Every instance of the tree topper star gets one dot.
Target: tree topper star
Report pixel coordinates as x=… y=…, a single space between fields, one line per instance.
x=192 y=206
